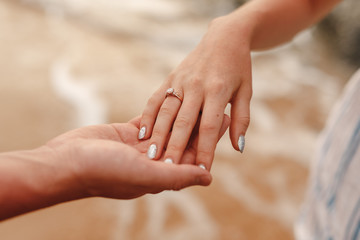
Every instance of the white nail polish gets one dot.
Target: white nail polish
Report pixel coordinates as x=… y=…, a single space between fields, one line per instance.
x=168 y=160
x=142 y=133
x=202 y=166
x=241 y=143
x=152 y=151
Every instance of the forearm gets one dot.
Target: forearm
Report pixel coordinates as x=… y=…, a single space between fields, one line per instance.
x=32 y=180
x=267 y=23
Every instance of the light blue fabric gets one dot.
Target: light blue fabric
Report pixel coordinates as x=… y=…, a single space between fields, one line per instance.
x=332 y=206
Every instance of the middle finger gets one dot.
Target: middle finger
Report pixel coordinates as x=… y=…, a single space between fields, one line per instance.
x=183 y=127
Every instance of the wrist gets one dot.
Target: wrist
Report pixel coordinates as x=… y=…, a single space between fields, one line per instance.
x=34 y=179
x=236 y=34
x=59 y=174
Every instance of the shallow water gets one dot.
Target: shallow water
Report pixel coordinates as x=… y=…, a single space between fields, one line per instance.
x=66 y=64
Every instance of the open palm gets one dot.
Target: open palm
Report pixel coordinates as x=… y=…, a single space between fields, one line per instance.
x=108 y=160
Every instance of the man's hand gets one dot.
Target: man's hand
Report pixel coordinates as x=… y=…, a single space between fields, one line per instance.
x=104 y=160
x=110 y=161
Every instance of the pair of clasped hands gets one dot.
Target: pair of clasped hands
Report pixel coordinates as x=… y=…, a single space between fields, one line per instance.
x=171 y=146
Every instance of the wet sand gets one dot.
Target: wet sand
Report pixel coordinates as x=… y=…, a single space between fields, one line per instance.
x=62 y=70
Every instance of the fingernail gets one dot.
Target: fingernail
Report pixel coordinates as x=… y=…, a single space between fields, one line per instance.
x=152 y=151
x=168 y=160
x=202 y=166
x=142 y=133
x=241 y=143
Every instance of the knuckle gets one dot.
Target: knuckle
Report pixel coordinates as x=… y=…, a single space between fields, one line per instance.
x=208 y=127
x=157 y=133
x=173 y=149
x=165 y=111
x=182 y=122
x=204 y=154
x=204 y=151
x=216 y=87
x=195 y=82
x=244 y=121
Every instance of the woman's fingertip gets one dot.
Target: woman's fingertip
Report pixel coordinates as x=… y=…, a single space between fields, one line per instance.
x=241 y=143
x=142 y=133
x=152 y=151
x=202 y=166
x=169 y=160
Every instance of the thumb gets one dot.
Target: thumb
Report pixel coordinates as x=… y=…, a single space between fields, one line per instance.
x=178 y=176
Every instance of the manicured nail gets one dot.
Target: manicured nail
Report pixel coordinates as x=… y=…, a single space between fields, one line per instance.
x=142 y=133
x=241 y=143
x=152 y=151
x=168 y=160
x=202 y=166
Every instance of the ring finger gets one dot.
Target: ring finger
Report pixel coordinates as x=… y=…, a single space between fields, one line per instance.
x=163 y=123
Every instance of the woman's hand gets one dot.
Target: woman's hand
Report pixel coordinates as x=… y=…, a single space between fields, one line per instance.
x=216 y=73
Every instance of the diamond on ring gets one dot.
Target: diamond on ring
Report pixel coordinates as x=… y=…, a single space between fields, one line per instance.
x=172 y=92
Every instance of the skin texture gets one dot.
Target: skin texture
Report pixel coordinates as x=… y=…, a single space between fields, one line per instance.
x=218 y=72
x=103 y=161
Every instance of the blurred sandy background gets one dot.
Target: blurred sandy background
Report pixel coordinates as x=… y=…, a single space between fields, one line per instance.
x=70 y=63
